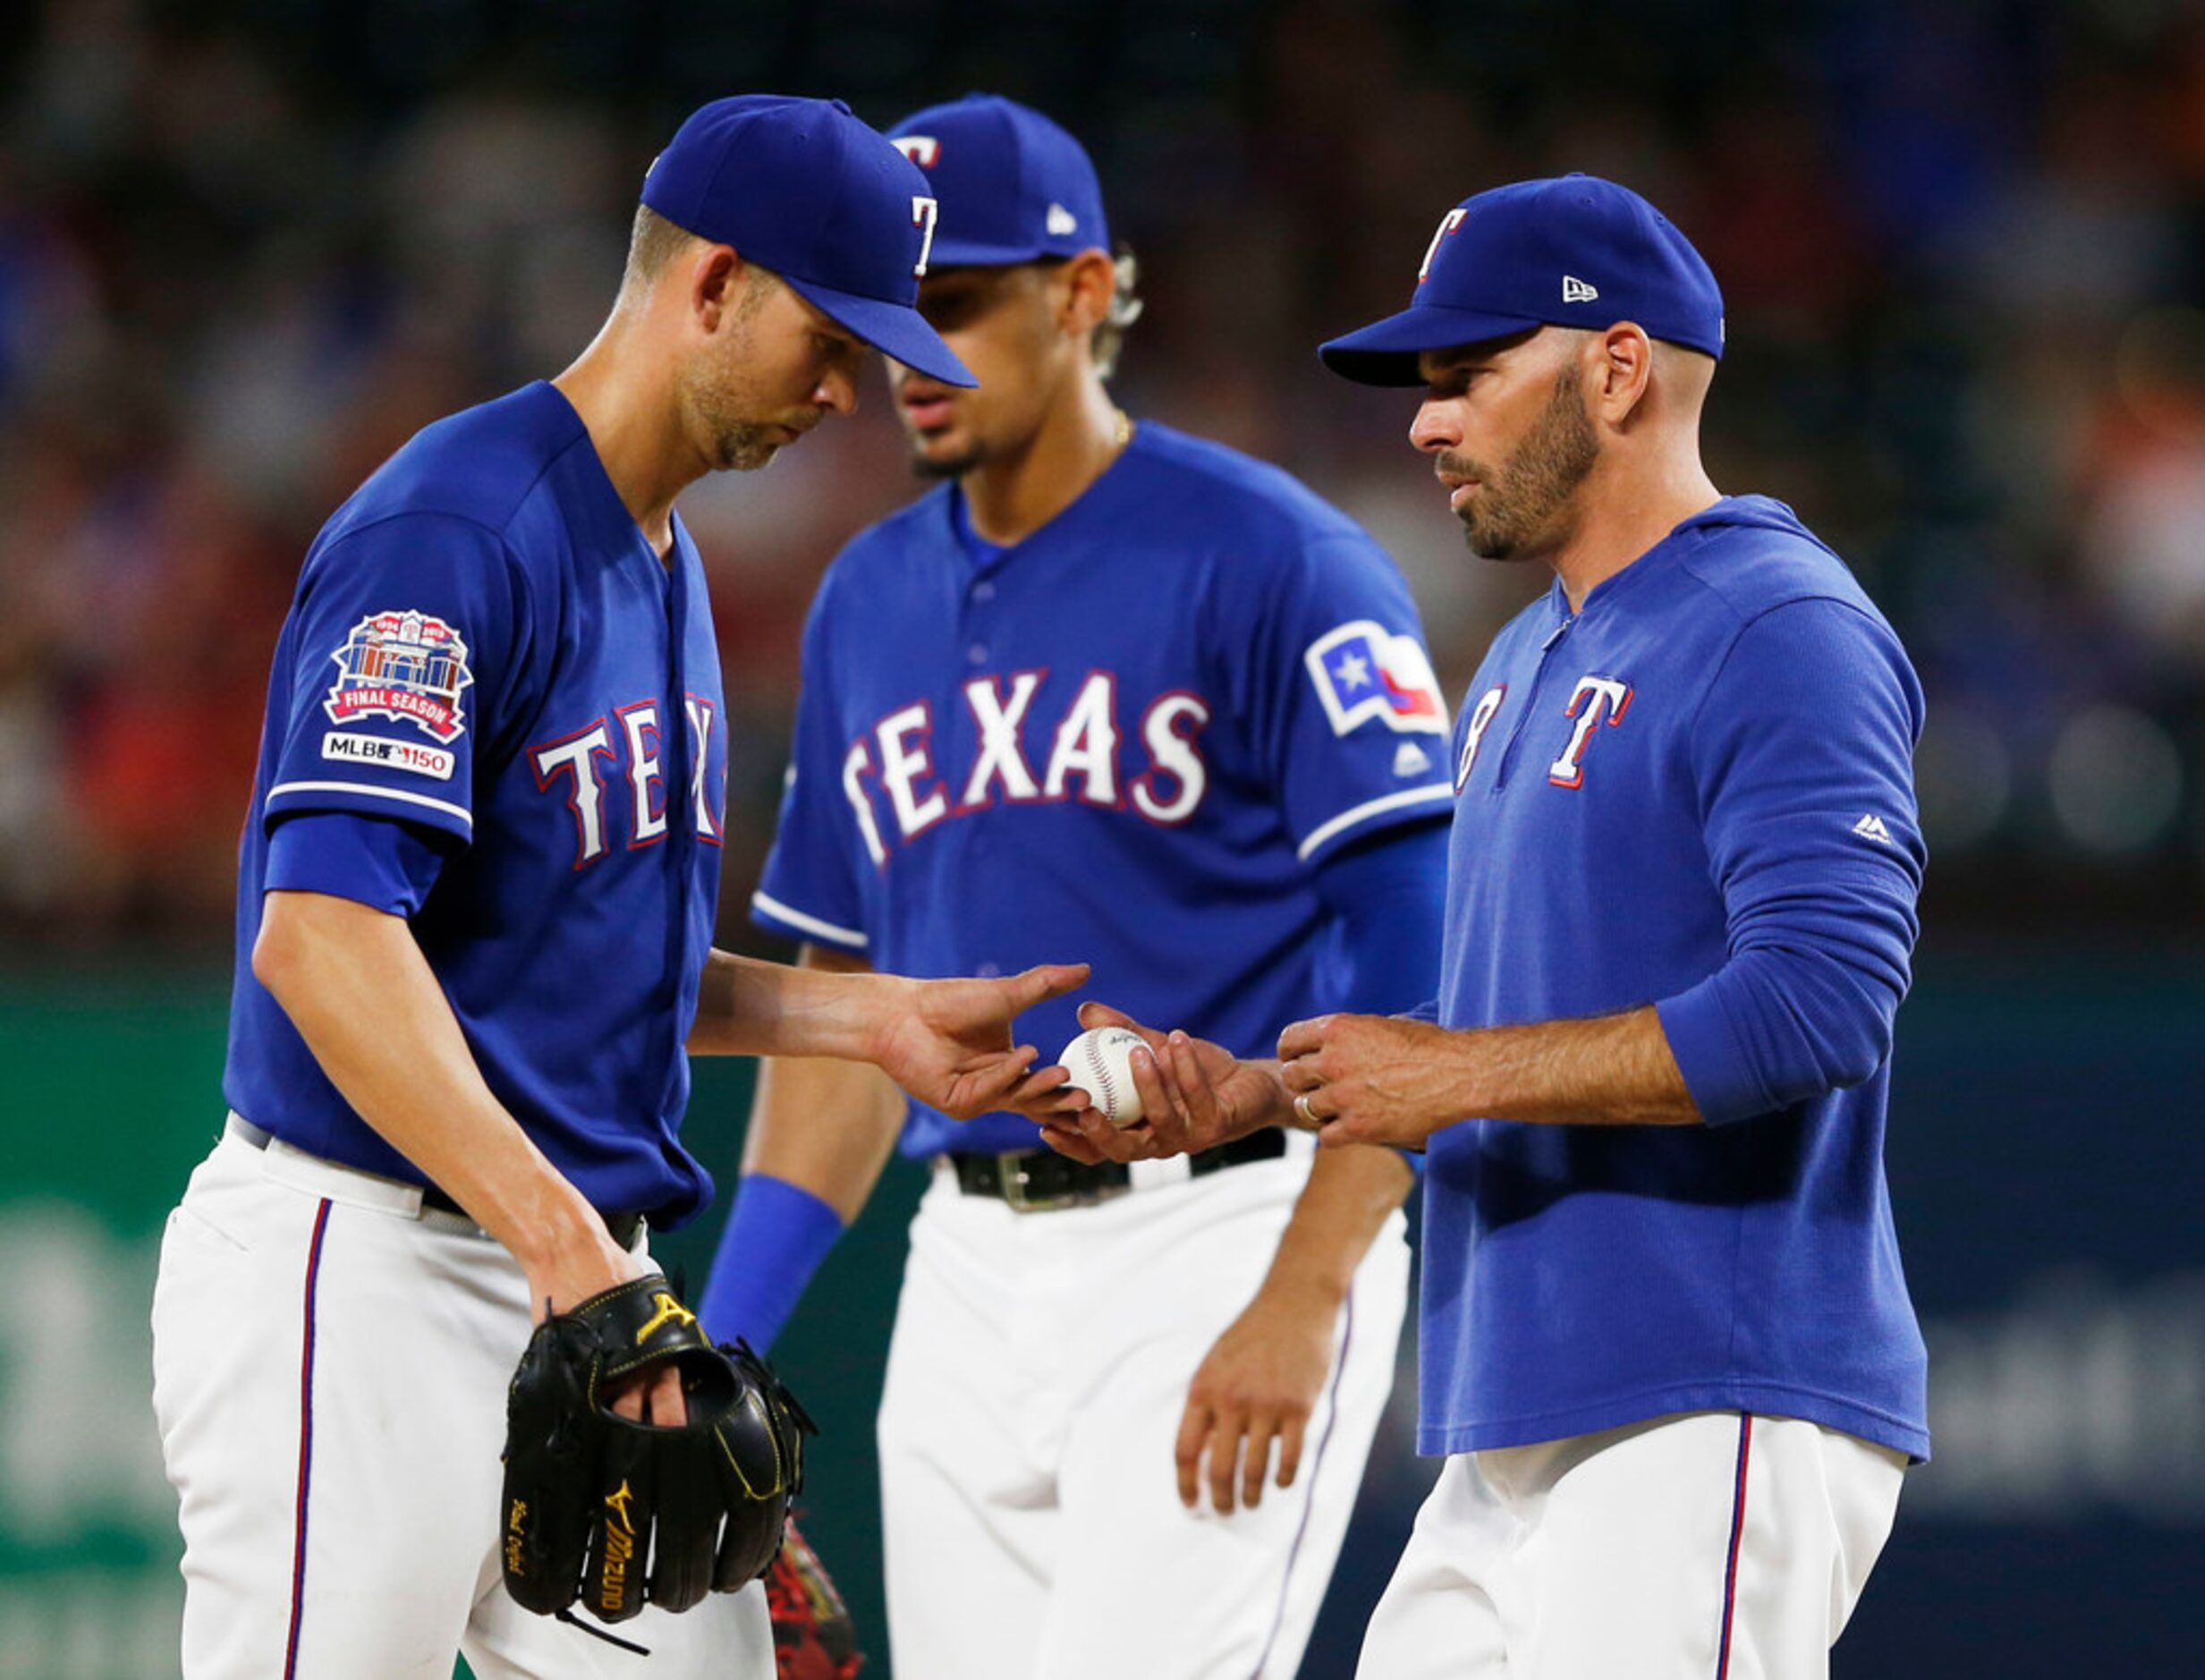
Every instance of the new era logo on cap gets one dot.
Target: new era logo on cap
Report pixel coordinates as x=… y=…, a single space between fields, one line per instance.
x=1514 y=258
x=1060 y=222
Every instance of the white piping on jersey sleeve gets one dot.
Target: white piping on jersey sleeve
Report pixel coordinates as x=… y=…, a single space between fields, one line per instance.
x=1436 y=794
x=849 y=939
x=460 y=811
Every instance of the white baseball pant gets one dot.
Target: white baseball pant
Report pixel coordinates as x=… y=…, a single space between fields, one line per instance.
x=1035 y=1386
x=1703 y=1546
x=330 y=1365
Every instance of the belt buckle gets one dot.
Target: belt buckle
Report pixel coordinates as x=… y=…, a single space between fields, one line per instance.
x=1010 y=1174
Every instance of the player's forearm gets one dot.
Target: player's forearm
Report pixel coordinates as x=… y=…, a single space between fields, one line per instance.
x=748 y=1007
x=355 y=984
x=825 y=1126
x=820 y=1131
x=1613 y=1070
x=1349 y=1194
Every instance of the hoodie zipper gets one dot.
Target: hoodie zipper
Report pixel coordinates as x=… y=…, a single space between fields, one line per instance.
x=1531 y=700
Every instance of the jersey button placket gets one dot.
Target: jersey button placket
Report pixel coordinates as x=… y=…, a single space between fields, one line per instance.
x=1531 y=701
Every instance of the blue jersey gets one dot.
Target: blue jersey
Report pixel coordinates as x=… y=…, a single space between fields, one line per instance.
x=1697 y=792
x=484 y=649
x=1127 y=740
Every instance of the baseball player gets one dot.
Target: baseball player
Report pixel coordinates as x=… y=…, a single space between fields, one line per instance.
x=1667 y=1350
x=1115 y=689
x=474 y=922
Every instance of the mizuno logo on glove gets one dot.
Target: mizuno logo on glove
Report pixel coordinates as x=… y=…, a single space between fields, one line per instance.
x=669 y=1310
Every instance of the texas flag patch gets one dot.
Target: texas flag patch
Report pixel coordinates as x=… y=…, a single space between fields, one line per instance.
x=408 y=667
x=1363 y=670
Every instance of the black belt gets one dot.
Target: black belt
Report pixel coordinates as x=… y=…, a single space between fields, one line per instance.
x=1041 y=1181
x=625 y=1227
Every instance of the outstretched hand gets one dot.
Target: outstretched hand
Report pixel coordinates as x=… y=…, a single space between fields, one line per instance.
x=1194 y=1095
x=948 y=1042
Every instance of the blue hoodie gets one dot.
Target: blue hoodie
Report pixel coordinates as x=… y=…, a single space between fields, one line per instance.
x=1696 y=793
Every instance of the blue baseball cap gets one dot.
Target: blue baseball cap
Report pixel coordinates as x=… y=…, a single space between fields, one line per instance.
x=803 y=188
x=1574 y=251
x=1014 y=187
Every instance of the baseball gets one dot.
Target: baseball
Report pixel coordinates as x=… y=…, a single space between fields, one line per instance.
x=1101 y=1064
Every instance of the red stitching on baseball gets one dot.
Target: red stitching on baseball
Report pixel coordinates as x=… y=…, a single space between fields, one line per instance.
x=1102 y=1077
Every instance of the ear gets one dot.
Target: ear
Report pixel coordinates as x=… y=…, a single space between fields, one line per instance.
x=1622 y=370
x=717 y=278
x=1089 y=280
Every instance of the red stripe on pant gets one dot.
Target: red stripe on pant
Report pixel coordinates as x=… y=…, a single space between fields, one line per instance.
x=306 y=1442
x=1737 y=1531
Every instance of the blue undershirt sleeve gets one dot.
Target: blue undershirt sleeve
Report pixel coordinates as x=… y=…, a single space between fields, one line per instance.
x=1387 y=896
x=1803 y=755
x=776 y=1237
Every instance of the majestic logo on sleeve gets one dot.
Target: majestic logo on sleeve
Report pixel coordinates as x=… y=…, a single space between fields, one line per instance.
x=1363 y=670
x=1596 y=700
x=408 y=667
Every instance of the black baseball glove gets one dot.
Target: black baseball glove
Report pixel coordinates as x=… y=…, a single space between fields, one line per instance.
x=621 y=1513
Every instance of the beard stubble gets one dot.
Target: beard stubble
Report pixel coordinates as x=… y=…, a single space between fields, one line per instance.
x=1525 y=498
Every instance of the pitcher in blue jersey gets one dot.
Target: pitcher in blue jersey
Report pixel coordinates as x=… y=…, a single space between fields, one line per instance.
x=1667 y=1350
x=1113 y=690
x=475 y=909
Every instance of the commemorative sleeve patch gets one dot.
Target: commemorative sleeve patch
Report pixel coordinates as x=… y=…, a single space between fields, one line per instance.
x=416 y=757
x=1363 y=671
x=408 y=667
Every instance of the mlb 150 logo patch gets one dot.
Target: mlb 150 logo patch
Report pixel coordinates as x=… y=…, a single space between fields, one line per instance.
x=413 y=756
x=409 y=667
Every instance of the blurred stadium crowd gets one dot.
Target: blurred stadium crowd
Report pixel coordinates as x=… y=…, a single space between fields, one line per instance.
x=246 y=249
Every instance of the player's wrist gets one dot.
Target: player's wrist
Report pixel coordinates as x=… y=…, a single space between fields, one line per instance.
x=1466 y=1086
x=568 y=1253
x=867 y=1009
x=1275 y=1105
x=1305 y=1287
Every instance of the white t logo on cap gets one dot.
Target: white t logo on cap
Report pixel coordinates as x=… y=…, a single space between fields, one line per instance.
x=1449 y=223
x=923 y=212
